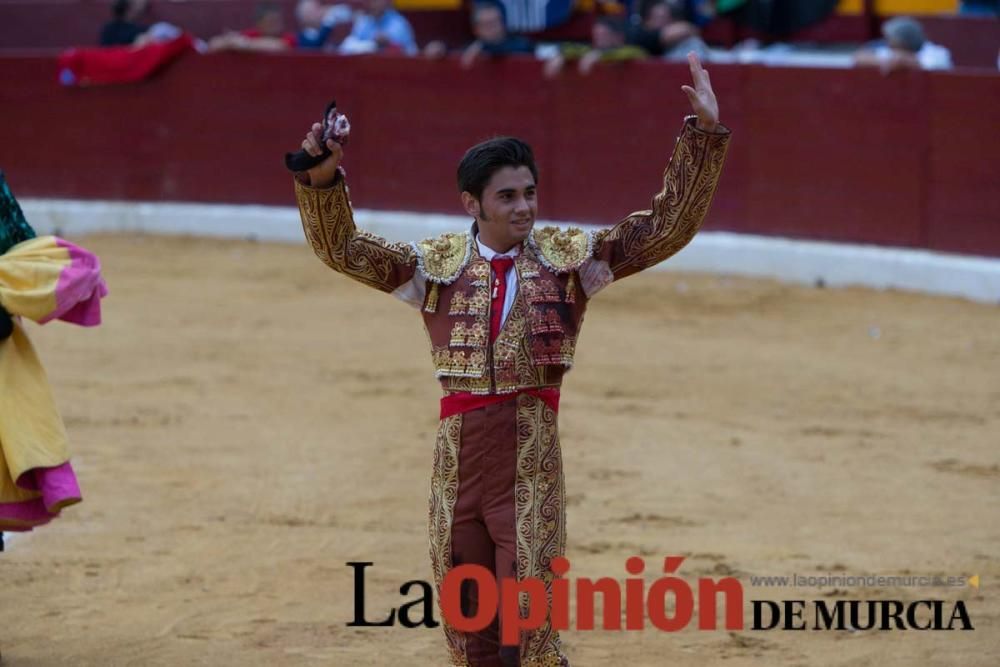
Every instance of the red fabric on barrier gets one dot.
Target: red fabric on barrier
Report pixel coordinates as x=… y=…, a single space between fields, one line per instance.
x=837 y=155
x=119 y=64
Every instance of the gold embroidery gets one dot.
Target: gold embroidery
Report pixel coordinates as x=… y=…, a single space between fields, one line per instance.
x=458 y=335
x=432 y=299
x=540 y=514
x=328 y=223
x=546 y=320
x=456 y=363
x=479 y=303
x=553 y=350
x=463 y=335
x=444 y=493
x=459 y=306
x=561 y=251
x=547 y=660
x=442 y=259
x=648 y=237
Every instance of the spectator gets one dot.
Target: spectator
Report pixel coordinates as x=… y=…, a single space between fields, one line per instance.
x=985 y=8
x=607 y=45
x=905 y=47
x=661 y=33
x=492 y=38
x=122 y=29
x=380 y=30
x=536 y=15
x=316 y=23
x=268 y=35
x=698 y=12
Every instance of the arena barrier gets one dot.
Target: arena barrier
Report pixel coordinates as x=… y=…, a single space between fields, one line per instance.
x=818 y=154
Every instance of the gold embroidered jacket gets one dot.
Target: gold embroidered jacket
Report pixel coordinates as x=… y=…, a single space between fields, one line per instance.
x=557 y=272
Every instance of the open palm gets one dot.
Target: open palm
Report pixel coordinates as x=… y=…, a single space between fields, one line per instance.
x=702 y=97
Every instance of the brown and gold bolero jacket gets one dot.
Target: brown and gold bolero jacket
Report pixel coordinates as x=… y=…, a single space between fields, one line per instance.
x=557 y=272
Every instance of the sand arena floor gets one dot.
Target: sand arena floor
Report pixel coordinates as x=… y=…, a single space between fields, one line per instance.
x=247 y=421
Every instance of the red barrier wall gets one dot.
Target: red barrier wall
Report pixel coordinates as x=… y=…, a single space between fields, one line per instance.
x=843 y=155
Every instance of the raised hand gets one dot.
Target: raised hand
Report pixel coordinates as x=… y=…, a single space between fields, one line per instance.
x=702 y=97
x=323 y=174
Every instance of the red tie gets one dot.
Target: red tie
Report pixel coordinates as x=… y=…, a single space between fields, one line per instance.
x=500 y=267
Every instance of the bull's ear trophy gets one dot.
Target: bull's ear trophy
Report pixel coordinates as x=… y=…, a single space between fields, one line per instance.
x=335 y=126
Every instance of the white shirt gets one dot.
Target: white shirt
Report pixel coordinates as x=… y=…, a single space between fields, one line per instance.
x=930 y=56
x=595 y=275
x=414 y=291
x=508 y=298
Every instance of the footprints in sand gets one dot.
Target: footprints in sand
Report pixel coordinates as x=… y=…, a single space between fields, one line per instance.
x=654 y=520
x=827 y=431
x=967 y=469
x=601 y=547
x=606 y=474
x=740 y=645
x=140 y=417
x=298 y=521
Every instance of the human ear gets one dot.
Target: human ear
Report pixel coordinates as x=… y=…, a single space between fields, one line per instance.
x=471 y=204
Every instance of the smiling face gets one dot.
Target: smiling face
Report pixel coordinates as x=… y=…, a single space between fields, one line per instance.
x=507 y=209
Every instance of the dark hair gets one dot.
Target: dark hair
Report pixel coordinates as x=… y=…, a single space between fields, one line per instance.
x=485 y=159
x=13 y=227
x=120 y=8
x=675 y=7
x=484 y=5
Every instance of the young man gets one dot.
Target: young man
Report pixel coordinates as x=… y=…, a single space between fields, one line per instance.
x=503 y=305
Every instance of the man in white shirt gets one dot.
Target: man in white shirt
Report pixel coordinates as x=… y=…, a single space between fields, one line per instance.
x=905 y=47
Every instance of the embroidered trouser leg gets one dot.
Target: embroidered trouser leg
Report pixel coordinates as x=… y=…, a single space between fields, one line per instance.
x=497 y=500
x=483 y=526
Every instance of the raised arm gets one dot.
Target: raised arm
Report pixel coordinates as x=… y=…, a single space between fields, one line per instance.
x=328 y=222
x=648 y=237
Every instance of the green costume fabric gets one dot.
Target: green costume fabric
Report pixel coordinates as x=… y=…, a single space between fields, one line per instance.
x=14 y=228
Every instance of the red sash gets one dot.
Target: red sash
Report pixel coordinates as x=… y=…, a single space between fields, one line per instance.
x=454 y=404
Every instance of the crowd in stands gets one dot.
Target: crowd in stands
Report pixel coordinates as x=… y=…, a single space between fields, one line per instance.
x=665 y=29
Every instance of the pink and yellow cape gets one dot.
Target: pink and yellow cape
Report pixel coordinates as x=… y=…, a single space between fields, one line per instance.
x=42 y=279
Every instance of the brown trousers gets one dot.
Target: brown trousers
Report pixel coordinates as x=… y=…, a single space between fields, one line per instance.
x=497 y=500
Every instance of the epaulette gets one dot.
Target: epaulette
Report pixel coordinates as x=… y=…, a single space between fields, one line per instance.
x=442 y=259
x=561 y=251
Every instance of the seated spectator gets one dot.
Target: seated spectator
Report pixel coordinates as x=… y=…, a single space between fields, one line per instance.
x=492 y=38
x=661 y=33
x=607 y=45
x=698 y=12
x=268 y=35
x=536 y=15
x=317 y=23
x=381 y=29
x=122 y=29
x=986 y=8
x=905 y=47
